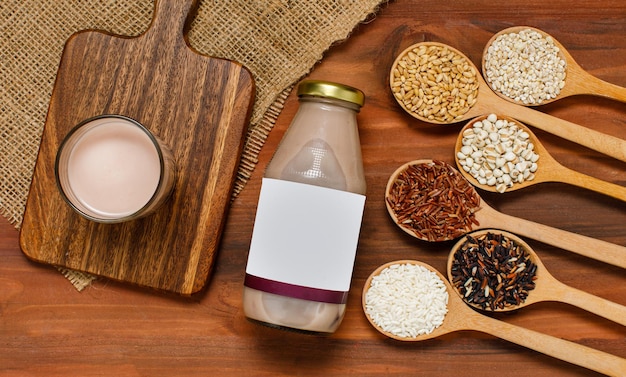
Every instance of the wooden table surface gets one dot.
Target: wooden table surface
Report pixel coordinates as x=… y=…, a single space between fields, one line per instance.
x=47 y=328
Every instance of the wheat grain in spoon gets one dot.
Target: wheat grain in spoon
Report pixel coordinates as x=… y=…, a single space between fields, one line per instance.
x=547 y=168
x=432 y=201
x=512 y=54
x=460 y=317
x=514 y=277
x=436 y=83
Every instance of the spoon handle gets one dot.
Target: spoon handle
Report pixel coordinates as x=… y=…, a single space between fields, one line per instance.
x=589 y=247
x=559 y=348
x=603 y=143
x=586 y=301
x=591 y=183
x=589 y=84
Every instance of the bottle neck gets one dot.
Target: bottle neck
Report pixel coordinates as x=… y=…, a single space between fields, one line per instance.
x=321 y=146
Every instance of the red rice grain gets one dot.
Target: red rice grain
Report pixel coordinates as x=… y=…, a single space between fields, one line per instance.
x=434 y=201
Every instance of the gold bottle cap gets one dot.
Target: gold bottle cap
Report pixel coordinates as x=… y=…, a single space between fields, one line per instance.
x=331 y=90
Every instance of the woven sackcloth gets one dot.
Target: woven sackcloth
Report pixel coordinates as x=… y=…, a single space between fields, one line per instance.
x=278 y=40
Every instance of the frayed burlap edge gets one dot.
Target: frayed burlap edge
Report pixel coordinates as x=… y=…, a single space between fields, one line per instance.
x=256 y=139
x=79 y=280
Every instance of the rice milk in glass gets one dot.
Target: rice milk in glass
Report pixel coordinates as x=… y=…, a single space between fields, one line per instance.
x=111 y=169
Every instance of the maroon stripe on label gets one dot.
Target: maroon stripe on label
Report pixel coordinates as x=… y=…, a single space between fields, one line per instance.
x=295 y=291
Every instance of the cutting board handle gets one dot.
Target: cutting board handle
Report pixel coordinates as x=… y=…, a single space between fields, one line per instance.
x=172 y=18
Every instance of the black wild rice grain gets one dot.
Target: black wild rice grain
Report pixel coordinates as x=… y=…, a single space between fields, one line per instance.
x=493 y=271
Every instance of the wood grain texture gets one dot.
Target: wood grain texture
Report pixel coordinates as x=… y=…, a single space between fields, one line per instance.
x=197 y=105
x=49 y=329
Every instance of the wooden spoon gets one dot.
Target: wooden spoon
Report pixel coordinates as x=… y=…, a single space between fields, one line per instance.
x=547 y=287
x=549 y=170
x=460 y=317
x=488 y=218
x=577 y=80
x=487 y=102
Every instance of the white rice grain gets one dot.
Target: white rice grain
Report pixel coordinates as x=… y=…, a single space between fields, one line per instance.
x=407 y=300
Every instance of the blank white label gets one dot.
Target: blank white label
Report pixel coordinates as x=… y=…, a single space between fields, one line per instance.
x=305 y=235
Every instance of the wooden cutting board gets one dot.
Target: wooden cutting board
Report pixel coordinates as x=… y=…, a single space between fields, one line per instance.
x=197 y=104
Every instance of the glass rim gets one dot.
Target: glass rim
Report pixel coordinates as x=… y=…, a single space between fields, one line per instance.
x=68 y=137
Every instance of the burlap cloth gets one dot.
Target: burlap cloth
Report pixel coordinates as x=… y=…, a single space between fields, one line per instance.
x=278 y=40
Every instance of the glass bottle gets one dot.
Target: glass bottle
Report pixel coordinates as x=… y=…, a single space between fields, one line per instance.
x=309 y=215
